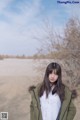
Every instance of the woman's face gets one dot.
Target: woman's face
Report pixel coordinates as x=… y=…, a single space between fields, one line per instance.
x=53 y=77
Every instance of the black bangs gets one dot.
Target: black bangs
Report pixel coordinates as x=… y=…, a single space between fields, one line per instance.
x=51 y=70
x=56 y=71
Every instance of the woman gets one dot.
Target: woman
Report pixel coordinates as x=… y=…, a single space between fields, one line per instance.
x=51 y=99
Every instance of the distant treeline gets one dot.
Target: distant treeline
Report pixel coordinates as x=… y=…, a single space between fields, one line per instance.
x=35 y=56
x=12 y=56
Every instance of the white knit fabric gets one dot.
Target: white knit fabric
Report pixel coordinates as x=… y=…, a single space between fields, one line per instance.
x=50 y=106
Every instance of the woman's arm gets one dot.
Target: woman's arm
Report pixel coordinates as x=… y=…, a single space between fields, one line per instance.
x=32 y=112
x=71 y=111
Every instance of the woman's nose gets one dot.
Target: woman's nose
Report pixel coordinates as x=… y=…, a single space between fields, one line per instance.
x=53 y=75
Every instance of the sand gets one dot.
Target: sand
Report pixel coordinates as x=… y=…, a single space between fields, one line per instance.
x=16 y=76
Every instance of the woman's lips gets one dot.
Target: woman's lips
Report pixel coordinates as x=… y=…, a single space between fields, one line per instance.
x=52 y=79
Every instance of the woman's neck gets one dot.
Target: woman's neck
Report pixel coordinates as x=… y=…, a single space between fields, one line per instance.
x=52 y=86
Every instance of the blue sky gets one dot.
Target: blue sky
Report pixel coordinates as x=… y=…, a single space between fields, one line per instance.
x=22 y=20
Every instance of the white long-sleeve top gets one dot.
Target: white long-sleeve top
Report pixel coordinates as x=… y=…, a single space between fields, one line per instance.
x=50 y=106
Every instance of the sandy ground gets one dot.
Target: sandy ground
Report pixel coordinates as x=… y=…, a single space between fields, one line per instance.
x=14 y=96
x=15 y=78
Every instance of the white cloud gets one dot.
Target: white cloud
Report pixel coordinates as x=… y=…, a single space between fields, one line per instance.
x=3 y=4
x=19 y=32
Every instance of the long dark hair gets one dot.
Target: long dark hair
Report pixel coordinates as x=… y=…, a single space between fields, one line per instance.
x=46 y=85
